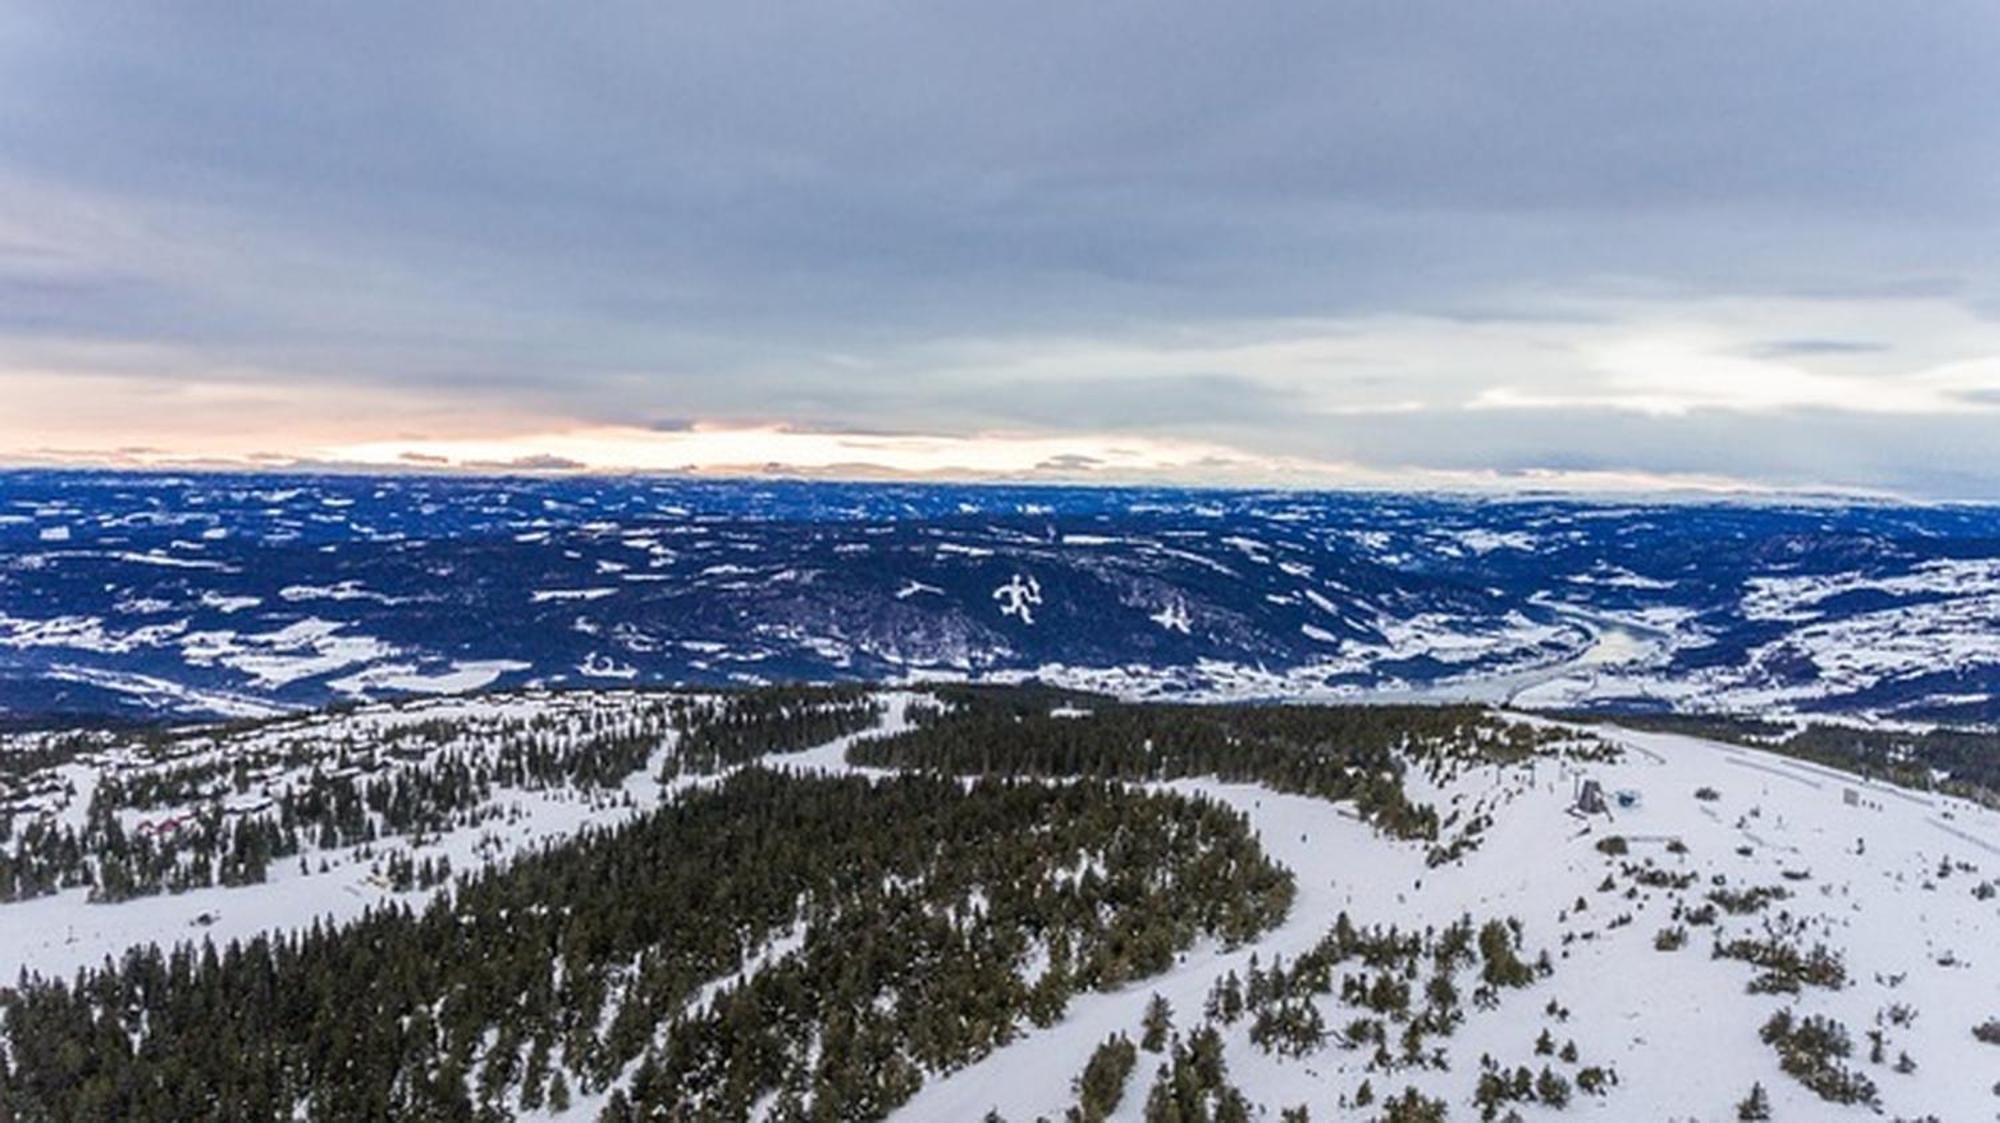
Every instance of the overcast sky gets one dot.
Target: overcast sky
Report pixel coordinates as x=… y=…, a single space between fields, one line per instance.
x=1472 y=243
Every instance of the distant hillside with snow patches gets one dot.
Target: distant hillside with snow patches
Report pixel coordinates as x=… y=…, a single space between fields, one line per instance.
x=153 y=595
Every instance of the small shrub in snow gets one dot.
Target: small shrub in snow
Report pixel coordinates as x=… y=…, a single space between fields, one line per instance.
x=1552 y=1089
x=1786 y=968
x=1754 y=1107
x=1412 y=1107
x=1743 y=902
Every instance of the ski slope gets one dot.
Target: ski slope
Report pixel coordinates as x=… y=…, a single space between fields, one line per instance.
x=1677 y=1027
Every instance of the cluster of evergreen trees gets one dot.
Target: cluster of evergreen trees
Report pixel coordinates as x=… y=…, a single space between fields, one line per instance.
x=292 y=789
x=1392 y=978
x=912 y=905
x=1281 y=1000
x=1784 y=964
x=1497 y=1088
x=207 y=847
x=410 y=778
x=740 y=727
x=1101 y=1088
x=1811 y=1049
x=812 y=947
x=1193 y=1086
x=1345 y=753
x=441 y=773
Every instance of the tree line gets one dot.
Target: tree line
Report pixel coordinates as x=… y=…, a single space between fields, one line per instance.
x=820 y=944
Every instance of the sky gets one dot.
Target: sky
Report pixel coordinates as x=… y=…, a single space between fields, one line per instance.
x=1486 y=245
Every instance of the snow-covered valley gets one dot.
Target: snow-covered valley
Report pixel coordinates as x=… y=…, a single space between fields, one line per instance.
x=147 y=597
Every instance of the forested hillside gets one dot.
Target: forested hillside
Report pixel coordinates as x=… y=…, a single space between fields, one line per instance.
x=892 y=922
x=981 y=903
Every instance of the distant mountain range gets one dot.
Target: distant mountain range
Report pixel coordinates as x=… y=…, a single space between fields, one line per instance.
x=146 y=595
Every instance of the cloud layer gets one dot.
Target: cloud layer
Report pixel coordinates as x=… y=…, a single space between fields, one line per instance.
x=1735 y=241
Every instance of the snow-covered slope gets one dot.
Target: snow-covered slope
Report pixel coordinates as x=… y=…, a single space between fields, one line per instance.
x=1890 y=883
x=1888 y=899
x=244 y=771
x=59 y=933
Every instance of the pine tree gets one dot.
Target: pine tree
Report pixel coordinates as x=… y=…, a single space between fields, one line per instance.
x=558 y=1093
x=1156 y=1025
x=1102 y=1085
x=1551 y=1088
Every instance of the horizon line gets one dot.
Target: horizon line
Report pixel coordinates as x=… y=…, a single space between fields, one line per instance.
x=1747 y=494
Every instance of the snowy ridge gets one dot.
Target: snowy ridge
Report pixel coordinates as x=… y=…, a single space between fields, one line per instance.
x=1908 y=938
x=1701 y=847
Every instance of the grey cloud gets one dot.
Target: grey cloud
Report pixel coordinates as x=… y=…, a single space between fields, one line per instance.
x=1806 y=348
x=643 y=210
x=1069 y=462
x=1150 y=401
x=538 y=463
